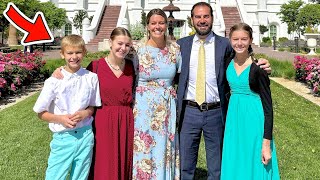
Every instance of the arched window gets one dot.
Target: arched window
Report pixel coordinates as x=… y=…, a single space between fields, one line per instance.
x=273 y=30
x=176 y=32
x=67 y=29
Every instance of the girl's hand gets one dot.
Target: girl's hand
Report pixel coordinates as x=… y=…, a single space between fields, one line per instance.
x=57 y=73
x=266 y=151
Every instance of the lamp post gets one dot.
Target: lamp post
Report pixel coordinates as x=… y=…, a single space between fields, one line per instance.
x=296 y=42
x=274 y=42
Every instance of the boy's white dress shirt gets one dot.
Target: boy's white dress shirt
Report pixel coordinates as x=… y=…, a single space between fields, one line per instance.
x=76 y=91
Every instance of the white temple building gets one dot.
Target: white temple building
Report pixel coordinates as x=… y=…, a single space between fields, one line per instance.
x=252 y=12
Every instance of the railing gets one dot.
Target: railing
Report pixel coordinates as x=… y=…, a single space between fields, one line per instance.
x=91 y=31
x=219 y=16
x=242 y=11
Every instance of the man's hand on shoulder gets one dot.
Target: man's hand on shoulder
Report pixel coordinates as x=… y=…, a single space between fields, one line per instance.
x=264 y=64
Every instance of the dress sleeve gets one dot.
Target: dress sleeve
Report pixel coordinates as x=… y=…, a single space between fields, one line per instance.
x=265 y=95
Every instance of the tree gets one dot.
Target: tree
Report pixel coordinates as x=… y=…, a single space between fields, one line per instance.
x=309 y=16
x=143 y=18
x=55 y=17
x=263 y=29
x=317 y=1
x=79 y=17
x=288 y=14
x=12 y=37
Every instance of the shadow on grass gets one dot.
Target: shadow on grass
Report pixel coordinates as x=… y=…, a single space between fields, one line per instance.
x=200 y=174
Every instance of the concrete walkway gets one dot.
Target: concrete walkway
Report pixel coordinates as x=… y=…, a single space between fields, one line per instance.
x=280 y=55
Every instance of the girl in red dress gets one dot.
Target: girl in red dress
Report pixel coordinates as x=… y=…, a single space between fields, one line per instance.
x=114 y=119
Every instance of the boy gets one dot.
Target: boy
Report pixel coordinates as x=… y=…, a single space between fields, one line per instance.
x=67 y=105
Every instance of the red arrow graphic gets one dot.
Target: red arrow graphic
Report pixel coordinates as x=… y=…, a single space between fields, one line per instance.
x=35 y=31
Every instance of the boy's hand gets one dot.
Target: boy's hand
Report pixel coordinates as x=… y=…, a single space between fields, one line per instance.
x=57 y=73
x=66 y=121
x=266 y=152
x=264 y=64
x=79 y=116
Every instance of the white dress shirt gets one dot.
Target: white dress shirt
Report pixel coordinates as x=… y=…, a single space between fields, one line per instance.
x=212 y=93
x=76 y=91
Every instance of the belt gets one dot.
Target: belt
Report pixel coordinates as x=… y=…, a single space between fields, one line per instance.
x=204 y=106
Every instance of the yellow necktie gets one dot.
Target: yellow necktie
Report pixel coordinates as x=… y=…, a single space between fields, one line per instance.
x=201 y=76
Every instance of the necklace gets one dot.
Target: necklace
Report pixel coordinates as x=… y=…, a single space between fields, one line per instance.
x=116 y=69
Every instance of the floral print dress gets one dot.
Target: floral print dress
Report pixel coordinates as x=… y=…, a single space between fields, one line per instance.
x=156 y=150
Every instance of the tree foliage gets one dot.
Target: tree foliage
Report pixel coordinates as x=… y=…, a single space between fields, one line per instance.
x=55 y=17
x=263 y=29
x=309 y=16
x=143 y=19
x=288 y=14
x=79 y=17
x=317 y=1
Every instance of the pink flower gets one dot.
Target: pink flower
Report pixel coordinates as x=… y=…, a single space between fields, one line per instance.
x=3 y=82
x=13 y=87
x=18 y=81
x=2 y=67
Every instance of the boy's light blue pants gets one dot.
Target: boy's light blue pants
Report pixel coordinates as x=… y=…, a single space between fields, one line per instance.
x=71 y=150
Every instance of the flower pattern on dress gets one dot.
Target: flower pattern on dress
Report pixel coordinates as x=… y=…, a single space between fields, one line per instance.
x=156 y=144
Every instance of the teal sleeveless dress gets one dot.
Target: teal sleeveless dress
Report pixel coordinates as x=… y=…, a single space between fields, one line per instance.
x=241 y=155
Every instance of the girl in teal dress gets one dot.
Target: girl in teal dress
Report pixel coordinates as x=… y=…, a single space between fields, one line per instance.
x=248 y=149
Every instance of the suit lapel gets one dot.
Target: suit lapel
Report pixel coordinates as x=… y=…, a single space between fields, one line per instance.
x=186 y=59
x=218 y=54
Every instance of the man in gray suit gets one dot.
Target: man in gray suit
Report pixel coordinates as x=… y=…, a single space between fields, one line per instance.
x=206 y=117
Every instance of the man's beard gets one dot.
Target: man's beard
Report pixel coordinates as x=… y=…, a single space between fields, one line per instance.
x=203 y=33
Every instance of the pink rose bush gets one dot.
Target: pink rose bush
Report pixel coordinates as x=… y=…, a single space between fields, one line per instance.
x=308 y=71
x=18 y=69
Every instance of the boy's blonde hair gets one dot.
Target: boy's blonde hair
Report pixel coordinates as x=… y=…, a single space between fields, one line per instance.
x=73 y=40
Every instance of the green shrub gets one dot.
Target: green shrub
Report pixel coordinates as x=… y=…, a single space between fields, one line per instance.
x=267 y=44
x=266 y=39
x=53 y=64
x=283 y=40
x=281 y=49
x=137 y=31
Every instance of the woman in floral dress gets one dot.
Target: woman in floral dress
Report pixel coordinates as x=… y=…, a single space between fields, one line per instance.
x=155 y=154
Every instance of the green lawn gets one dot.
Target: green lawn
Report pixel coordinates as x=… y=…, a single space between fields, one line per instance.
x=25 y=139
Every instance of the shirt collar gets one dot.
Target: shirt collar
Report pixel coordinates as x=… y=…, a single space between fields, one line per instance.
x=69 y=75
x=209 y=39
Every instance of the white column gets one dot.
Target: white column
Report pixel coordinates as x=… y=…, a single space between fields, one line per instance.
x=85 y=33
x=262 y=12
x=81 y=5
x=256 y=33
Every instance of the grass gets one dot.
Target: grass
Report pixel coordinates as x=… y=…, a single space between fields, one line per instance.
x=283 y=69
x=25 y=139
x=25 y=142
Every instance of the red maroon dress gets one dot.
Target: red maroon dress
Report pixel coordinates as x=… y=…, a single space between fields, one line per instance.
x=113 y=123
